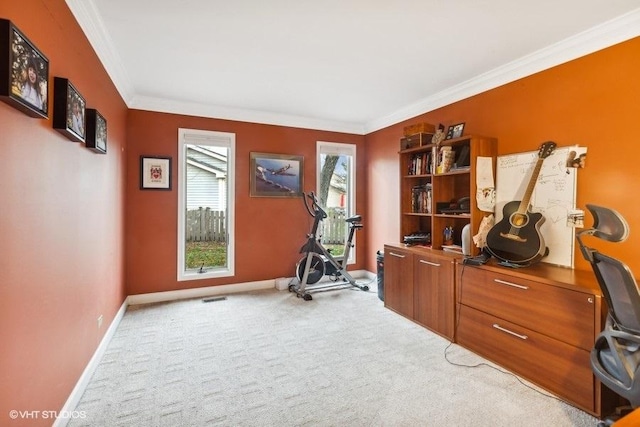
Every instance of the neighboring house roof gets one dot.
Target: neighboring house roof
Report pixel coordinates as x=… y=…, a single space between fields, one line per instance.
x=207 y=159
x=218 y=172
x=338 y=183
x=206 y=178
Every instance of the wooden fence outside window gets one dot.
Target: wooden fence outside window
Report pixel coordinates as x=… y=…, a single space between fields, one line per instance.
x=206 y=225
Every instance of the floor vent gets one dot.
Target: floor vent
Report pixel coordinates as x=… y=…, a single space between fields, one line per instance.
x=214 y=299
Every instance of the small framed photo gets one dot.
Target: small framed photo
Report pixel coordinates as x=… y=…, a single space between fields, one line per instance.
x=24 y=72
x=96 y=131
x=155 y=173
x=68 y=110
x=455 y=131
x=276 y=175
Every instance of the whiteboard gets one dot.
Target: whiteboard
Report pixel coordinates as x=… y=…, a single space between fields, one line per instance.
x=554 y=196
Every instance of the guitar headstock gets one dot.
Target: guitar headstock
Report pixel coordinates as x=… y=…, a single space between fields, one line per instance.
x=546 y=149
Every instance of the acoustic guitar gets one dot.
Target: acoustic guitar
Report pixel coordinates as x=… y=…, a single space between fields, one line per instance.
x=516 y=239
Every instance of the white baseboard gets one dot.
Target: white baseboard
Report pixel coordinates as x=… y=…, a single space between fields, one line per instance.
x=81 y=385
x=364 y=274
x=282 y=283
x=199 y=292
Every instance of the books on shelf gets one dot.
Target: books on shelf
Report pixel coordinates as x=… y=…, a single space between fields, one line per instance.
x=420 y=164
x=421 y=199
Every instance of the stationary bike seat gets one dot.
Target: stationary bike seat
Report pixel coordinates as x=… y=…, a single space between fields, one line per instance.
x=355 y=218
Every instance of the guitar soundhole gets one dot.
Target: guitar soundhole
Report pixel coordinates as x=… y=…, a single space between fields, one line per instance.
x=518 y=220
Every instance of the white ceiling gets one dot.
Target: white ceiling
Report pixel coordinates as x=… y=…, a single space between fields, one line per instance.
x=345 y=65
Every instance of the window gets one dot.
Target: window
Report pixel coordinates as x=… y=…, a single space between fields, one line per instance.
x=206 y=170
x=336 y=183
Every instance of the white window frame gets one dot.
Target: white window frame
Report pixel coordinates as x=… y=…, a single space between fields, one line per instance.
x=340 y=148
x=204 y=137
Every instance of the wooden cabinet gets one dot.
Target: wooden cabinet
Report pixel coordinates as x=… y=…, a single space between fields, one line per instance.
x=419 y=284
x=398 y=280
x=539 y=322
x=433 y=292
x=424 y=189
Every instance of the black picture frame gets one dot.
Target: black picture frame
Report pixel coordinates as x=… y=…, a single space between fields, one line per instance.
x=155 y=173
x=68 y=110
x=96 y=139
x=455 y=131
x=21 y=62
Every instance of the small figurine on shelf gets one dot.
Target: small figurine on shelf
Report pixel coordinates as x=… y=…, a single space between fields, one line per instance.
x=448 y=235
x=438 y=137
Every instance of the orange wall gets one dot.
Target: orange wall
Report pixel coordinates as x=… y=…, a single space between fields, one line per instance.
x=591 y=101
x=269 y=232
x=61 y=226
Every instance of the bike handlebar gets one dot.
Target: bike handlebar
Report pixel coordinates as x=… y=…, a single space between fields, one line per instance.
x=314 y=204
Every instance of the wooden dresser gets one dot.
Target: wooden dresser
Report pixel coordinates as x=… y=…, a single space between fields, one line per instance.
x=539 y=322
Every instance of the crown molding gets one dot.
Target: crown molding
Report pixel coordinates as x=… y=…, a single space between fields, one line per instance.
x=88 y=18
x=607 y=34
x=242 y=115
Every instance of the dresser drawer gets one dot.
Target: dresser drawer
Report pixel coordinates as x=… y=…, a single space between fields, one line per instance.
x=554 y=311
x=561 y=368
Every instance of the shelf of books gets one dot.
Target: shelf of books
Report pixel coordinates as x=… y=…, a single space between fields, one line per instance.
x=438 y=188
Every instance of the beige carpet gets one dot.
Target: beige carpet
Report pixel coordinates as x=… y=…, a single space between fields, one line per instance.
x=271 y=359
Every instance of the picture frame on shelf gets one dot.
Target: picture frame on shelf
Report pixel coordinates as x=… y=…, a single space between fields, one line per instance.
x=155 y=173
x=24 y=72
x=276 y=175
x=457 y=130
x=449 y=132
x=68 y=110
x=96 y=139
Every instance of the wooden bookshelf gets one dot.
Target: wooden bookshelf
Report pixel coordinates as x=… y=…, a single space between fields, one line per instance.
x=418 y=169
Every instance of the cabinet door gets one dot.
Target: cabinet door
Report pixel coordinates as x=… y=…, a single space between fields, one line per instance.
x=434 y=293
x=398 y=281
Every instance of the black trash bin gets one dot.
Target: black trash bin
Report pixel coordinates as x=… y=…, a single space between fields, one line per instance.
x=380 y=263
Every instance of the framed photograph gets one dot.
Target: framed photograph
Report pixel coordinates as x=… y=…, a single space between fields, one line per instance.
x=455 y=131
x=276 y=175
x=155 y=173
x=24 y=72
x=96 y=131
x=68 y=110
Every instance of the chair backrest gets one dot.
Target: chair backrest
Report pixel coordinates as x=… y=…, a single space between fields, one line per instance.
x=614 y=277
x=608 y=224
x=620 y=291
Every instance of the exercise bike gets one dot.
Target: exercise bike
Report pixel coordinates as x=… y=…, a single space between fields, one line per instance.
x=318 y=261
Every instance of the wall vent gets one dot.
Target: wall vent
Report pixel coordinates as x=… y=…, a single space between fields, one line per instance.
x=214 y=299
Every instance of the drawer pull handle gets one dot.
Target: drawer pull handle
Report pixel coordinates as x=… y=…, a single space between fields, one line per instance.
x=396 y=255
x=522 y=337
x=430 y=263
x=504 y=282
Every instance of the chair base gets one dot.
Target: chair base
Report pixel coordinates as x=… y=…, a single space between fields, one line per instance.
x=620 y=412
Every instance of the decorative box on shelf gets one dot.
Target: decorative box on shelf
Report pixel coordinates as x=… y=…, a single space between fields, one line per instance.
x=419 y=128
x=417 y=140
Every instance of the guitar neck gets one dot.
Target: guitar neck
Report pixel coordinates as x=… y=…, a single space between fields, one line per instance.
x=524 y=204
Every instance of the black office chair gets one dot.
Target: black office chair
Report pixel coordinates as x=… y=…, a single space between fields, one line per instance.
x=615 y=358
